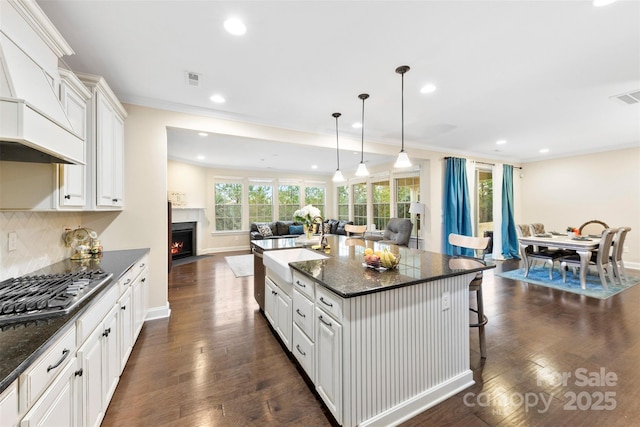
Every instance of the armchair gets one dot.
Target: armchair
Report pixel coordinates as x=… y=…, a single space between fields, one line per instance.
x=398 y=232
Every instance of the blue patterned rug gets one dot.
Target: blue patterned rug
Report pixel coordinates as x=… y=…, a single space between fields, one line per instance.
x=540 y=276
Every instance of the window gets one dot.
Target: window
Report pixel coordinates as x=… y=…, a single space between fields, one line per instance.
x=360 y=204
x=381 y=204
x=407 y=191
x=260 y=203
x=228 y=206
x=343 y=202
x=315 y=196
x=288 y=201
x=484 y=201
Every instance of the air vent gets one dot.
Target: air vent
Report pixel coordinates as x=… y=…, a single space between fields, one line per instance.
x=193 y=79
x=628 y=98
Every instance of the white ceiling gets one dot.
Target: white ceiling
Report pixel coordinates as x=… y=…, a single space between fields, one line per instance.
x=538 y=74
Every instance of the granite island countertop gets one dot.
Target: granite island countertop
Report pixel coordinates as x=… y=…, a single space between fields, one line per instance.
x=343 y=273
x=22 y=343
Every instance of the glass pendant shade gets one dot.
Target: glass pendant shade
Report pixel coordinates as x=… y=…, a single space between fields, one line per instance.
x=337 y=177
x=362 y=170
x=402 y=161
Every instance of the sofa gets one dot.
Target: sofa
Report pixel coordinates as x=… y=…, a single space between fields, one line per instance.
x=284 y=229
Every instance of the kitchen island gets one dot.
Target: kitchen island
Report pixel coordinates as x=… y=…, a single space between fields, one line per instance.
x=379 y=346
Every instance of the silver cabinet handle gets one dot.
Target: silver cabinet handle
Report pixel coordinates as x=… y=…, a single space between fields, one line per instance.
x=326 y=303
x=300 y=284
x=324 y=321
x=300 y=350
x=300 y=313
x=65 y=353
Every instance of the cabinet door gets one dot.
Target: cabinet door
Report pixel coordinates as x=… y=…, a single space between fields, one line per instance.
x=111 y=354
x=126 y=327
x=270 y=301
x=60 y=405
x=329 y=362
x=139 y=303
x=284 y=322
x=90 y=357
x=118 y=161
x=104 y=151
x=73 y=186
x=9 y=406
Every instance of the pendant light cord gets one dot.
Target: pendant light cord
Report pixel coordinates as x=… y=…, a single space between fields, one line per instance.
x=336 y=115
x=402 y=112
x=362 y=96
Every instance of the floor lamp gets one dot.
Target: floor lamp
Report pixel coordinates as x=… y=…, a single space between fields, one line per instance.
x=418 y=209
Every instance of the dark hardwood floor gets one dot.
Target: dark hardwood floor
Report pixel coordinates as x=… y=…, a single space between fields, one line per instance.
x=215 y=362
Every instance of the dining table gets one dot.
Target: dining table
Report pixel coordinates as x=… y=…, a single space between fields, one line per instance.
x=583 y=245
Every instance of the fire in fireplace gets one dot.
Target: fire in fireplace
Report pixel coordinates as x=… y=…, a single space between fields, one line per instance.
x=183 y=239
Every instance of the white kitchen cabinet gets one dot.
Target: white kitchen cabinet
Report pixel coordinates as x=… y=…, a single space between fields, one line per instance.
x=72 y=179
x=105 y=144
x=126 y=327
x=60 y=405
x=111 y=352
x=329 y=362
x=140 y=299
x=278 y=311
x=9 y=412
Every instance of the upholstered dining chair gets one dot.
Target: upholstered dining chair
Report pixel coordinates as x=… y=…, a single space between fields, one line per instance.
x=478 y=245
x=534 y=254
x=593 y=228
x=601 y=259
x=616 y=254
x=355 y=230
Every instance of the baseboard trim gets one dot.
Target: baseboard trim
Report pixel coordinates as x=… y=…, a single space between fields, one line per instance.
x=158 y=312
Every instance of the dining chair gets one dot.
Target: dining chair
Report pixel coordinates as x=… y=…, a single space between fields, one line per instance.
x=534 y=253
x=478 y=245
x=616 y=254
x=398 y=232
x=355 y=230
x=593 y=228
x=601 y=259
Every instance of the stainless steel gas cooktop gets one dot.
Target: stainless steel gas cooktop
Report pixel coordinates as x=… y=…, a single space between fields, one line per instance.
x=38 y=297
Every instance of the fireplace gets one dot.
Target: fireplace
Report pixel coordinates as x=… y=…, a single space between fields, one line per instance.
x=183 y=239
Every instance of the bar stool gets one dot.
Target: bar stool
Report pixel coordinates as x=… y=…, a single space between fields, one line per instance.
x=475 y=245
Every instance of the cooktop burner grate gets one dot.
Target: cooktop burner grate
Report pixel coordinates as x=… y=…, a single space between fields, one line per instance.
x=31 y=297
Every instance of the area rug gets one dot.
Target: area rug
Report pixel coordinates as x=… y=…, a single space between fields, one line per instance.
x=241 y=265
x=540 y=276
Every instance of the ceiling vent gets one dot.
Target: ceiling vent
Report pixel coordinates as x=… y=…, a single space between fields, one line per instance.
x=628 y=98
x=193 y=79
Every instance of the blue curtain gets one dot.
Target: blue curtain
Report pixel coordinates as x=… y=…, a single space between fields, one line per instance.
x=457 y=212
x=509 y=236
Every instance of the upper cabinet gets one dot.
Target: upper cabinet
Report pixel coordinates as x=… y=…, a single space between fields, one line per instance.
x=105 y=143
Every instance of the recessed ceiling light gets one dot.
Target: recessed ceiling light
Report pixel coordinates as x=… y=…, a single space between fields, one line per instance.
x=429 y=88
x=201 y=157
x=501 y=141
x=314 y=166
x=218 y=99
x=356 y=125
x=544 y=150
x=235 y=26
x=203 y=134
x=601 y=3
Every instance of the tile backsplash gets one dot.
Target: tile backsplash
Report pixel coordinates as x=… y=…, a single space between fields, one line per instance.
x=39 y=240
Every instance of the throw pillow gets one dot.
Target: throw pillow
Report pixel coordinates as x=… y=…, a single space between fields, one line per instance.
x=296 y=229
x=327 y=228
x=265 y=230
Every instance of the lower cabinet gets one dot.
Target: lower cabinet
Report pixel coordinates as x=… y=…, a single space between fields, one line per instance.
x=329 y=362
x=126 y=328
x=60 y=404
x=9 y=409
x=278 y=311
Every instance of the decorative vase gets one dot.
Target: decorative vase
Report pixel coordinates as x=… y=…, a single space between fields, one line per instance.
x=307 y=231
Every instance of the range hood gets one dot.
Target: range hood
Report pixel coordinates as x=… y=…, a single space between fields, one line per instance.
x=33 y=124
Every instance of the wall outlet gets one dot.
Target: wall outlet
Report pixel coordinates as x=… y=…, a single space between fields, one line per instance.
x=446 y=301
x=13 y=241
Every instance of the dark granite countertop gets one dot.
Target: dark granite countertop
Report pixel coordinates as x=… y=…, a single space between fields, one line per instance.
x=22 y=344
x=343 y=273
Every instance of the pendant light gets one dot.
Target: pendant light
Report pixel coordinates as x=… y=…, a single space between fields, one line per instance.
x=362 y=168
x=337 y=177
x=403 y=159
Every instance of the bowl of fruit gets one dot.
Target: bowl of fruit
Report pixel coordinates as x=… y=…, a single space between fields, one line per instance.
x=380 y=260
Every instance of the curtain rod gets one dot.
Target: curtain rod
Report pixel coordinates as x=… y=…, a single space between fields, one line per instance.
x=485 y=163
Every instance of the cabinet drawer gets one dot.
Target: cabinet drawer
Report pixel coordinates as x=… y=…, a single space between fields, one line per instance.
x=304 y=285
x=139 y=266
x=127 y=279
x=303 y=349
x=37 y=377
x=93 y=317
x=329 y=302
x=303 y=313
